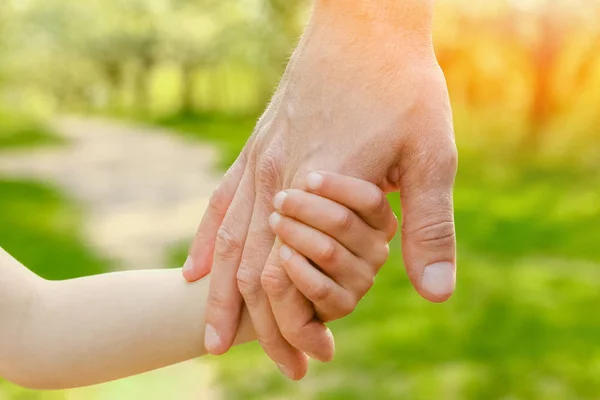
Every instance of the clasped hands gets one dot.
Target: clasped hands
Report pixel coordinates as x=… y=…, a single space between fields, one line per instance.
x=299 y=226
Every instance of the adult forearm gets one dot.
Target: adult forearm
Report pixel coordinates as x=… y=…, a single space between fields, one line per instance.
x=411 y=18
x=105 y=327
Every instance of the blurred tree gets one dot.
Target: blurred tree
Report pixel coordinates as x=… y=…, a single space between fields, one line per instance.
x=545 y=55
x=139 y=24
x=4 y=19
x=278 y=27
x=558 y=24
x=196 y=36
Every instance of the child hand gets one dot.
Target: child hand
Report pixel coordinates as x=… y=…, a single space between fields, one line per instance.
x=334 y=241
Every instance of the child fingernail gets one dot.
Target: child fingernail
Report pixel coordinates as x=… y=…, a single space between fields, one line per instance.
x=278 y=200
x=188 y=265
x=439 y=278
x=286 y=371
x=314 y=180
x=274 y=220
x=211 y=338
x=285 y=252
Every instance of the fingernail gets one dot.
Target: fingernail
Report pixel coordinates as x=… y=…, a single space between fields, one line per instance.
x=274 y=220
x=188 y=265
x=285 y=252
x=314 y=180
x=211 y=338
x=278 y=200
x=286 y=371
x=439 y=278
x=329 y=333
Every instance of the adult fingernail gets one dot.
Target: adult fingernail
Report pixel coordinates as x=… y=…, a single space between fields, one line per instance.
x=278 y=200
x=286 y=371
x=211 y=338
x=285 y=252
x=274 y=220
x=439 y=278
x=188 y=265
x=314 y=180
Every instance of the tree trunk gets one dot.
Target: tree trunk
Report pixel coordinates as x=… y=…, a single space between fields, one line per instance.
x=115 y=74
x=142 y=86
x=188 y=89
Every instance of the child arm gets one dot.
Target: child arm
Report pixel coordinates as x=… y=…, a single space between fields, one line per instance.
x=94 y=329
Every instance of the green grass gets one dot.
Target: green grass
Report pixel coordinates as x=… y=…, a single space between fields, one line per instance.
x=523 y=323
x=41 y=228
x=228 y=132
x=21 y=132
x=38 y=225
x=519 y=327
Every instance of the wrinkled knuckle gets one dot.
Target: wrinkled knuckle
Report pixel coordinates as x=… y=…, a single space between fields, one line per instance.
x=267 y=170
x=436 y=235
x=219 y=201
x=447 y=160
x=272 y=281
x=319 y=292
x=434 y=165
x=344 y=221
x=248 y=282
x=269 y=341
x=227 y=245
x=328 y=252
x=221 y=302
x=376 y=201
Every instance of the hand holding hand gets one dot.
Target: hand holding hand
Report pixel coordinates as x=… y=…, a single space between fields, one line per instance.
x=364 y=96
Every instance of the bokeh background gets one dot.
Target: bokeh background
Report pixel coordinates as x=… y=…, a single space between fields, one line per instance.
x=154 y=82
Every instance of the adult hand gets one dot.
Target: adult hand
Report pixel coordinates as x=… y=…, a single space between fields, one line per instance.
x=363 y=95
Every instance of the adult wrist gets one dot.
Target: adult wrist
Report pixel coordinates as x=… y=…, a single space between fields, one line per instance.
x=406 y=17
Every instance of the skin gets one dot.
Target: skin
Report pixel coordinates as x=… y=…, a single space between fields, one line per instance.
x=57 y=335
x=363 y=95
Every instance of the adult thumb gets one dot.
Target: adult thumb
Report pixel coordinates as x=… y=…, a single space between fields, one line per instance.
x=428 y=230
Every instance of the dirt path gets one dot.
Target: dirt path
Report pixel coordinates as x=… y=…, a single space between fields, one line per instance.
x=143 y=190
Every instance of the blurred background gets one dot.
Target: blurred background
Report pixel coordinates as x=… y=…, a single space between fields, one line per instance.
x=117 y=118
